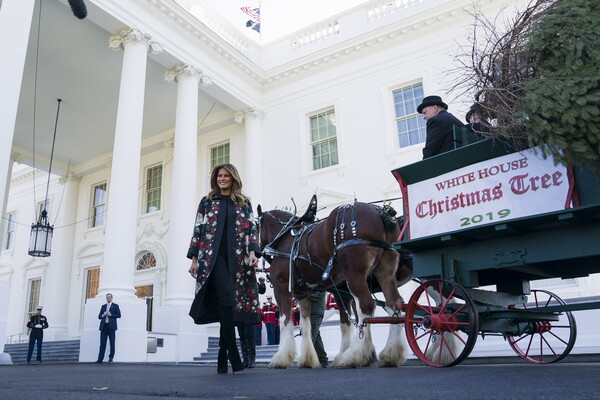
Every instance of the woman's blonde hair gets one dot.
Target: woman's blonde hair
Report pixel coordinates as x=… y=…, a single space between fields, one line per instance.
x=236 y=194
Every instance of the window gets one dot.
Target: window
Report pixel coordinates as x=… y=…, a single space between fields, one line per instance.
x=153 y=188
x=146 y=261
x=410 y=125
x=323 y=140
x=98 y=205
x=219 y=155
x=34 y=295
x=11 y=225
x=92 y=283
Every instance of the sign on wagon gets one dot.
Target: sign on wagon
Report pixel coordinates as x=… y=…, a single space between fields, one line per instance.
x=500 y=189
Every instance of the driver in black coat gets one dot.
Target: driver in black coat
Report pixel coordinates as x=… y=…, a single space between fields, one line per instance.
x=439 y=126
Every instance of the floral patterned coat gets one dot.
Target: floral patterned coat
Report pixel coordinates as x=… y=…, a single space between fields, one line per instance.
x=242 y=238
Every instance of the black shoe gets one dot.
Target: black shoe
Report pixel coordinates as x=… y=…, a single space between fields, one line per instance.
x=110 y=360
x=28 y=362
x=39 y=361
x=98 y=361
x=222 y=358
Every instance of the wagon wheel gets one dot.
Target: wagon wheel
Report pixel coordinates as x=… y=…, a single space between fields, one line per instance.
x=545 y=342
x=441 y=332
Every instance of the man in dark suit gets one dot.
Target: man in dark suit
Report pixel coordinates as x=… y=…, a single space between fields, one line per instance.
x=439 y=126
x=108 y=315
x=37 y=323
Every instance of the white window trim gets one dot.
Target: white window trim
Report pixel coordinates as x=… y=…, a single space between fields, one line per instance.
x=393 y=149
x=162 y=187
x=215 y=145
x=91 y=206
x=10 y=250
x=306 y=164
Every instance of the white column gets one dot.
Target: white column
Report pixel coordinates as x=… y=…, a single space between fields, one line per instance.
x=172 y=316
x=180 y=286
x=61 y=261
x=15 y=24
x=119 y=254
x=253 y=174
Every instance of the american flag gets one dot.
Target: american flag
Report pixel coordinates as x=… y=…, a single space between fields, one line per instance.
x=254 y=13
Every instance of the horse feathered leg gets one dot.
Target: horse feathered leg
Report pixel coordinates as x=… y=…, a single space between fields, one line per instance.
x=361 y=352
x=286 y=353
x=393 y=354
x=308 y=355
x=345 y=327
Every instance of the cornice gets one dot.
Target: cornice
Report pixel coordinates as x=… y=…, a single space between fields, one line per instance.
x=233 y=52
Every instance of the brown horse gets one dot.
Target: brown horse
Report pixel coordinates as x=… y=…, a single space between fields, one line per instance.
x=349 y=246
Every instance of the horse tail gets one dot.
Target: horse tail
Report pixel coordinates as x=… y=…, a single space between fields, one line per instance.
x=388 y=216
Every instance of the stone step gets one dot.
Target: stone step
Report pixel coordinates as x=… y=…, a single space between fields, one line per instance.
x=209 y=357
x=63 y=351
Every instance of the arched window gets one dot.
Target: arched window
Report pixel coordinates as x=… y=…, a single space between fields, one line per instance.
x=146 y=261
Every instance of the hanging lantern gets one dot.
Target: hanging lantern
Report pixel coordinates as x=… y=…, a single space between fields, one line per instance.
x=40 y=240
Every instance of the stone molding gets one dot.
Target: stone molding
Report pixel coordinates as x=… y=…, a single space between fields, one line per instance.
x=250 y=112
x=172 y=75
x=116 y=42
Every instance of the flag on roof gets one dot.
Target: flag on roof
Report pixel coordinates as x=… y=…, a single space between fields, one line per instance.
x=254 y=14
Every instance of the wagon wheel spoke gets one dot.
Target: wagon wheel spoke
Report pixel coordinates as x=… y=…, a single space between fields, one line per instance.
x=450 y=328
x=556 y=338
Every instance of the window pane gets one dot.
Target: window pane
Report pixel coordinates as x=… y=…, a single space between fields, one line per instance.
x=98 y=204
x=153 y=188
x=34 y=295
x=92 y=283
x=11 y=225
x=219 y=155
x=410 y=125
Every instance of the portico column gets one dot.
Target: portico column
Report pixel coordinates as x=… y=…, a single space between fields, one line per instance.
x=15 y=24
x=61 y=262
x=121 y=221
x=119 y=255
x=180 y=286
x=252 y=177
x=172 y=316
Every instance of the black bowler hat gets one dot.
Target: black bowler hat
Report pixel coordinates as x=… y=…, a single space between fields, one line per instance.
x=431 y=101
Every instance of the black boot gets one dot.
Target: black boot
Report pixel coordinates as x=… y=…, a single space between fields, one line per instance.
x=222 y=358
x=245 y=355
x=227 y=334
x=251 y=352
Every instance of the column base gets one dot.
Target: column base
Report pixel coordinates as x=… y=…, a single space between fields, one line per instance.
x=182 y=339
x=131 y=342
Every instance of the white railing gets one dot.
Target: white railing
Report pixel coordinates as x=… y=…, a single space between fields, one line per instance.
x=315 y=34
x=386 y=7
x=17 y=338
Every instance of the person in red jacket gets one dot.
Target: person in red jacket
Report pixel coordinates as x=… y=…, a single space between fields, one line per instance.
x=269 y=311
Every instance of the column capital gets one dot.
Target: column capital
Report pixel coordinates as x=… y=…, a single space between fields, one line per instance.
x=116 y=42
x=169 y=142
x=16 y=157
x=69 y=177
x=172 y=75
x=248 y=113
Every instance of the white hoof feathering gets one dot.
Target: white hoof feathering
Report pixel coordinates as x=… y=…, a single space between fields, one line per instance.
x=361 y=352
x=286 y=353
x=308 y=355
x=347 y=331
x=394 y=353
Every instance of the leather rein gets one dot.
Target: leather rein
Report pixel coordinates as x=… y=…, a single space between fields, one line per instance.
x=298 y=229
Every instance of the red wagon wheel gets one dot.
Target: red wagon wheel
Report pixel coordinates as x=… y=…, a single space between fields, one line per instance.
x=441 y=331
x=545 y=342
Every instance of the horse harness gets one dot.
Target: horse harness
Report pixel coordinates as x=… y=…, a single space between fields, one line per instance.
x=298 y=229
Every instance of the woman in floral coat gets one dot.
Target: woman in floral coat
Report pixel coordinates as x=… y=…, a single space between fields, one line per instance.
x=224 y=251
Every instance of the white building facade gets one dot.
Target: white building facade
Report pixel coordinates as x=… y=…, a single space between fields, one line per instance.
x=328 y=110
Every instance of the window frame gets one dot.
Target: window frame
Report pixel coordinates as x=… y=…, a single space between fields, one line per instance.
x=10 y=234
x=94 y=206
x=319 y=141
x=148 y=191
x=216 y=147
x=421 y=125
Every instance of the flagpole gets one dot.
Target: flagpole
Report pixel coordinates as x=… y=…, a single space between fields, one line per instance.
x=260 y=31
